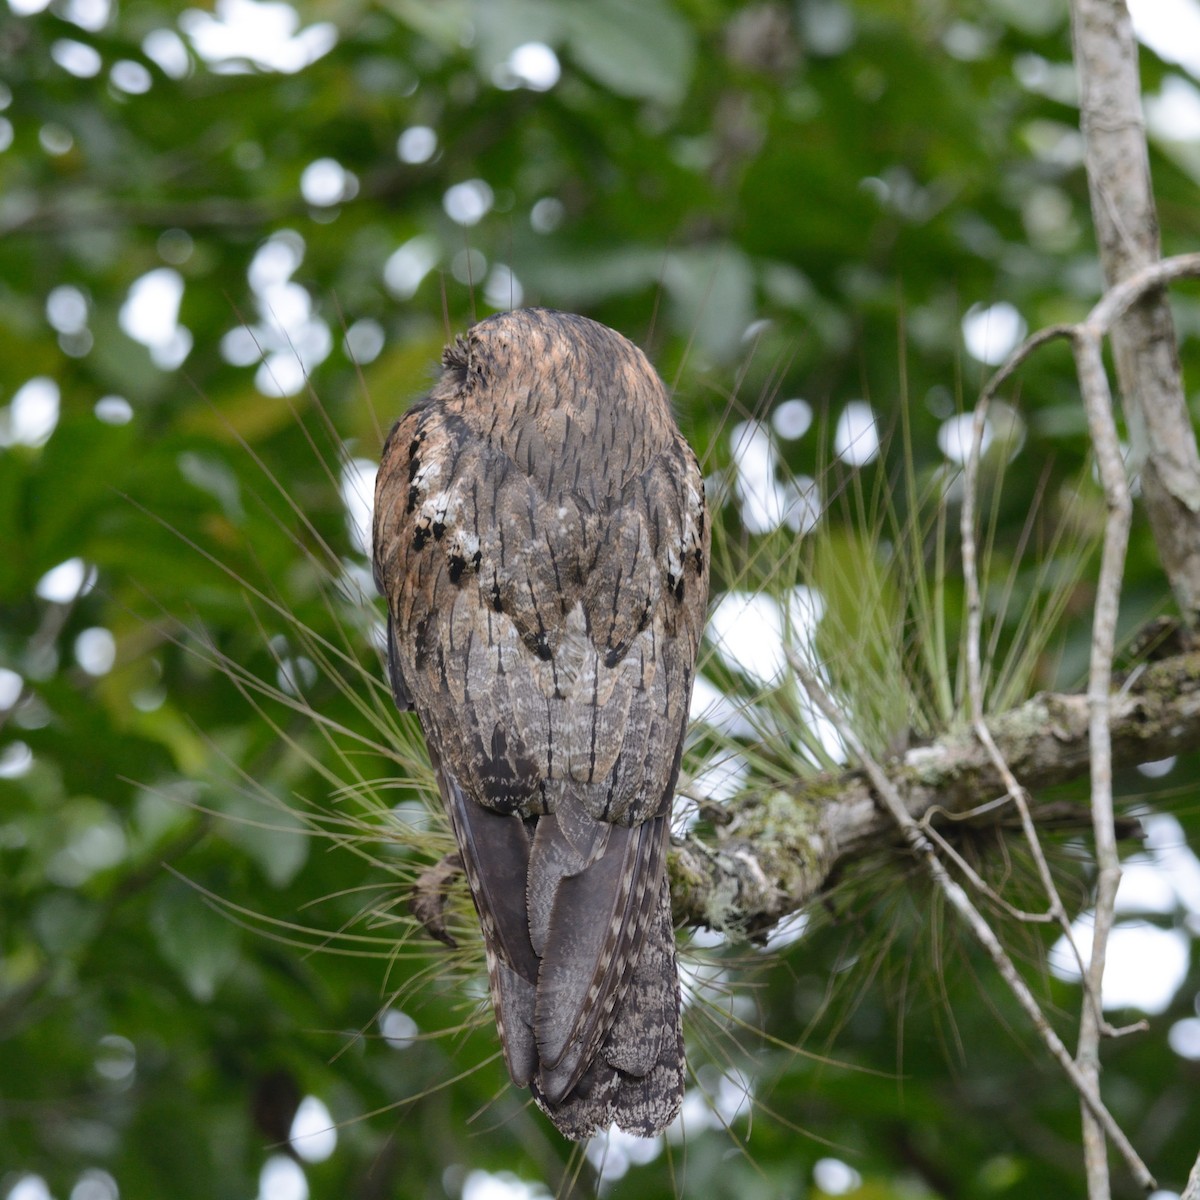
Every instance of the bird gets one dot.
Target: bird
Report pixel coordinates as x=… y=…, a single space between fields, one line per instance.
x=541 y=537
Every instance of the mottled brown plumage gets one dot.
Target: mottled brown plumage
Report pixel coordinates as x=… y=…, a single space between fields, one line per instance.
x=541 y=539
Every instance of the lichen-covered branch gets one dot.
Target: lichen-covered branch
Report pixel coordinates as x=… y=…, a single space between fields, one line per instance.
x=767 y=856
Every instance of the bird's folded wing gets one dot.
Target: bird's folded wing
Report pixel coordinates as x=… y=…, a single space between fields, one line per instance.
x=597 y=922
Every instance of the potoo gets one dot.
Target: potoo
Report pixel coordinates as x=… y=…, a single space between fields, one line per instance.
x=541 y=539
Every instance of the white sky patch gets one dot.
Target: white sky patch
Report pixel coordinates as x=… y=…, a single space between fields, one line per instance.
x=835 y=1178
x=313 y=1136
x=325 y=182
x=1146 y=963
x=704 y=981
x=11 y=685
x=729 y=1094
x=789 y=931
x=290 y=340
x=276 y=260
x=67 y=309
x=29 y=1187
x=1145 y=888
x=1174 y=114
x=364 y=341
x=88 y=14
x=166 y=48
x=533 y=65
x=614 y=1152
x=15 y=760
x=547 y=214
x=1158 y=768
x=96 y=650
x=1184 y=1038
x=504 y=1185
x=150 y=315
x=502 y=289
x=357 y=486
x=856 y=438
x=992 y=332
x=720 y=778
x=408 y=266
x=399 y=1030
x=130 y=77
x=747 y=630
x=765 y=501
x=55 y=139
x=282 y=1179
x=94 y=1184
x=76 y=58
x=245 y=34
x=113 y=410
x=467 y=203
x=417 y=144
x=30 y=418
x=1166 y=841
x=711 y=706
x=792 y=419
x=1144 y=967
x=62 y=584
x=469 y=265
x=1171 y=28
x=954 y=437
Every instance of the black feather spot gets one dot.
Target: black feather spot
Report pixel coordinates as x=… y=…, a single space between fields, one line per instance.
x=412 y=499
x=679 y=589
x=420 y=537
x=497 y=603
x=457 y=566
x=507 y=772
x=439 y=528
x=612 y=657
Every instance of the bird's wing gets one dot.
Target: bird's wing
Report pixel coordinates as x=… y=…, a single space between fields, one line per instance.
x=495 y=855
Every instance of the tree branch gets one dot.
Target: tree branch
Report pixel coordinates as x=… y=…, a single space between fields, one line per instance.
x=1086 y=1082
x=769 y=855
x=1147 y=360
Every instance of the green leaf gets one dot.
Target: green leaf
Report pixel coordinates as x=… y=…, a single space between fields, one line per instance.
x=202 y=945
x=638 y=48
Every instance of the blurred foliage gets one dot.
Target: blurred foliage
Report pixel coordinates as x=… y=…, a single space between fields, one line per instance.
x=779 y=201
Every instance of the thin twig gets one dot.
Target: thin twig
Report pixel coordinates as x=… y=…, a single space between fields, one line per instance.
x=1017 y=793
x=1087 y=342
x=977 y=881
x=1097 y=399
x=962 y=904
